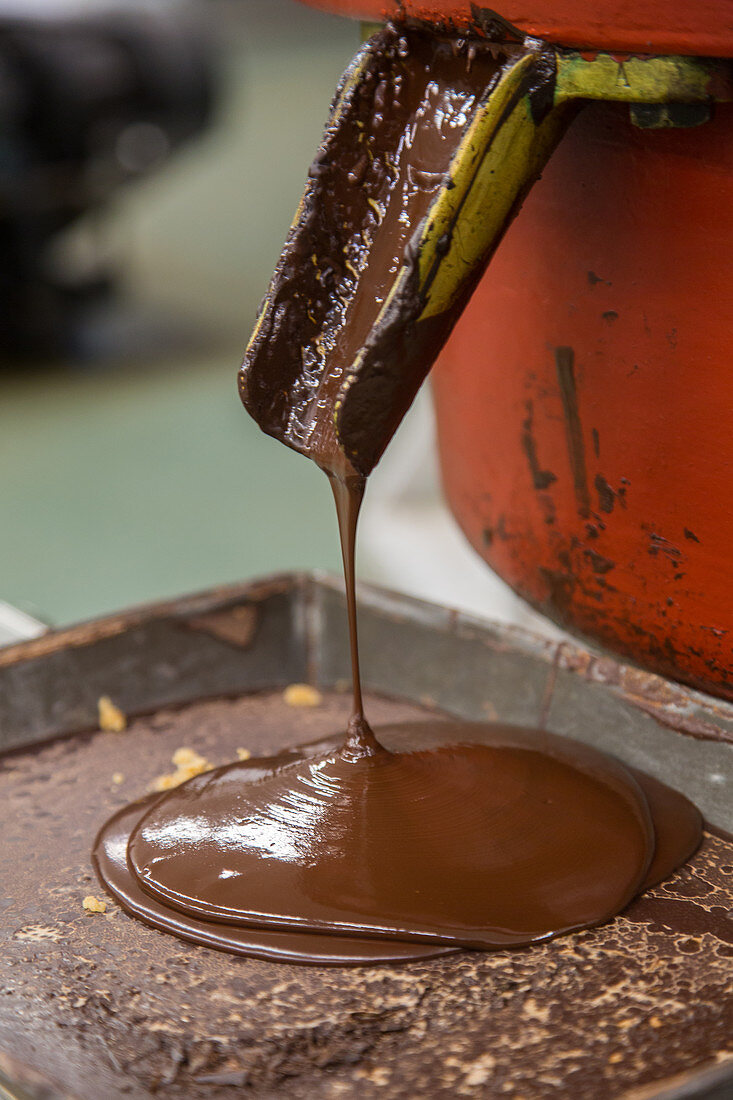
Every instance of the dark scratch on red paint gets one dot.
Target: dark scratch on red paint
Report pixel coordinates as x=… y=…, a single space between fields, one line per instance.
x=541 y=479
x=565 y=367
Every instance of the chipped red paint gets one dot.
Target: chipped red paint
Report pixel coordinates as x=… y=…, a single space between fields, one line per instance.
x=703 y=27
x=585 y=400
x=602 y=331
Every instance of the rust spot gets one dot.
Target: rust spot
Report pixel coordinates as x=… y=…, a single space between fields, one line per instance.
x=560 y=589
x=598 y=563
x=673 y=720
x=666 y=702
x=494 y=26
x=606 y=495
x=658 y=544
x=547 y=506
x=494 y=531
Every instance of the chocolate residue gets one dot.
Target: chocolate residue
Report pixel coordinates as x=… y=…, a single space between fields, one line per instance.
x=683 y=916
x=598 y=563
x=606 y=495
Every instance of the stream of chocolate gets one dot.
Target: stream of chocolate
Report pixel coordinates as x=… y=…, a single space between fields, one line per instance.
x=348 y=493
x=432 y=836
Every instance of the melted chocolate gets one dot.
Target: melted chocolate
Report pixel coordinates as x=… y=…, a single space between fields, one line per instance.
x=186 y=835
x=384 y=156
x=429 y=837
x=439 y=845
x=348 y=494
x=110 y=861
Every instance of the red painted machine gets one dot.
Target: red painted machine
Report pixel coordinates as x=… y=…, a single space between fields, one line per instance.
x=702 y=27
x=585 y=398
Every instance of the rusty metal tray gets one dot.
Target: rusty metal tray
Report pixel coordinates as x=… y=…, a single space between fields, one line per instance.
x=98 y=1005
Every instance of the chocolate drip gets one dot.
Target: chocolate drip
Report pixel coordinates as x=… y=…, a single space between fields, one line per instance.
x=348 y=494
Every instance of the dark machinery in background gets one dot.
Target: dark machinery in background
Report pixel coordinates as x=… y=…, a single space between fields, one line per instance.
x=86 y=105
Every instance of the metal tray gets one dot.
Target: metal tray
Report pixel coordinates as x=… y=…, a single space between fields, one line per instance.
x=100 y=1005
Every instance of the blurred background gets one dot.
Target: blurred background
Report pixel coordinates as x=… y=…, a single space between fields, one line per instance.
x=151 y=158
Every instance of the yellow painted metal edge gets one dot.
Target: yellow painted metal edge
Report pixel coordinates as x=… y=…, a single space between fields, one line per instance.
x=486 y=173
x=497 y=156
x=642 y=79
x=504 y=147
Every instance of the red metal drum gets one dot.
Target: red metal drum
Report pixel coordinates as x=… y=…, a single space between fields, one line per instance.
x=703 y=27
x=585 y=399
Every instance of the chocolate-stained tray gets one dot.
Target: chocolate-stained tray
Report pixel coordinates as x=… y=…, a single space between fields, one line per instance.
x=98 y=1005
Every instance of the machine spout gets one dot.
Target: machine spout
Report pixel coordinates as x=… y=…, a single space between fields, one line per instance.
x=431 y=146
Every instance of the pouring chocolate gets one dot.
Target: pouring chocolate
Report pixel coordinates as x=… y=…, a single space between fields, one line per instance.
x=396 y=843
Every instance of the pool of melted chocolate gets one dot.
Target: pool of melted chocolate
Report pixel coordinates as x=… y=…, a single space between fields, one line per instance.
x=438 y=845
x=322 y=857
x=469 y=836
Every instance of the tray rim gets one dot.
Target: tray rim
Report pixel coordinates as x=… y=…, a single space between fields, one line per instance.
x=673 y=703
x=312 y=600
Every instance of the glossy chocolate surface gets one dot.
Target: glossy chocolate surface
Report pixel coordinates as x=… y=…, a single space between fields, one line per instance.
x=218 y=918
x=440 y=845
x=110 y=860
